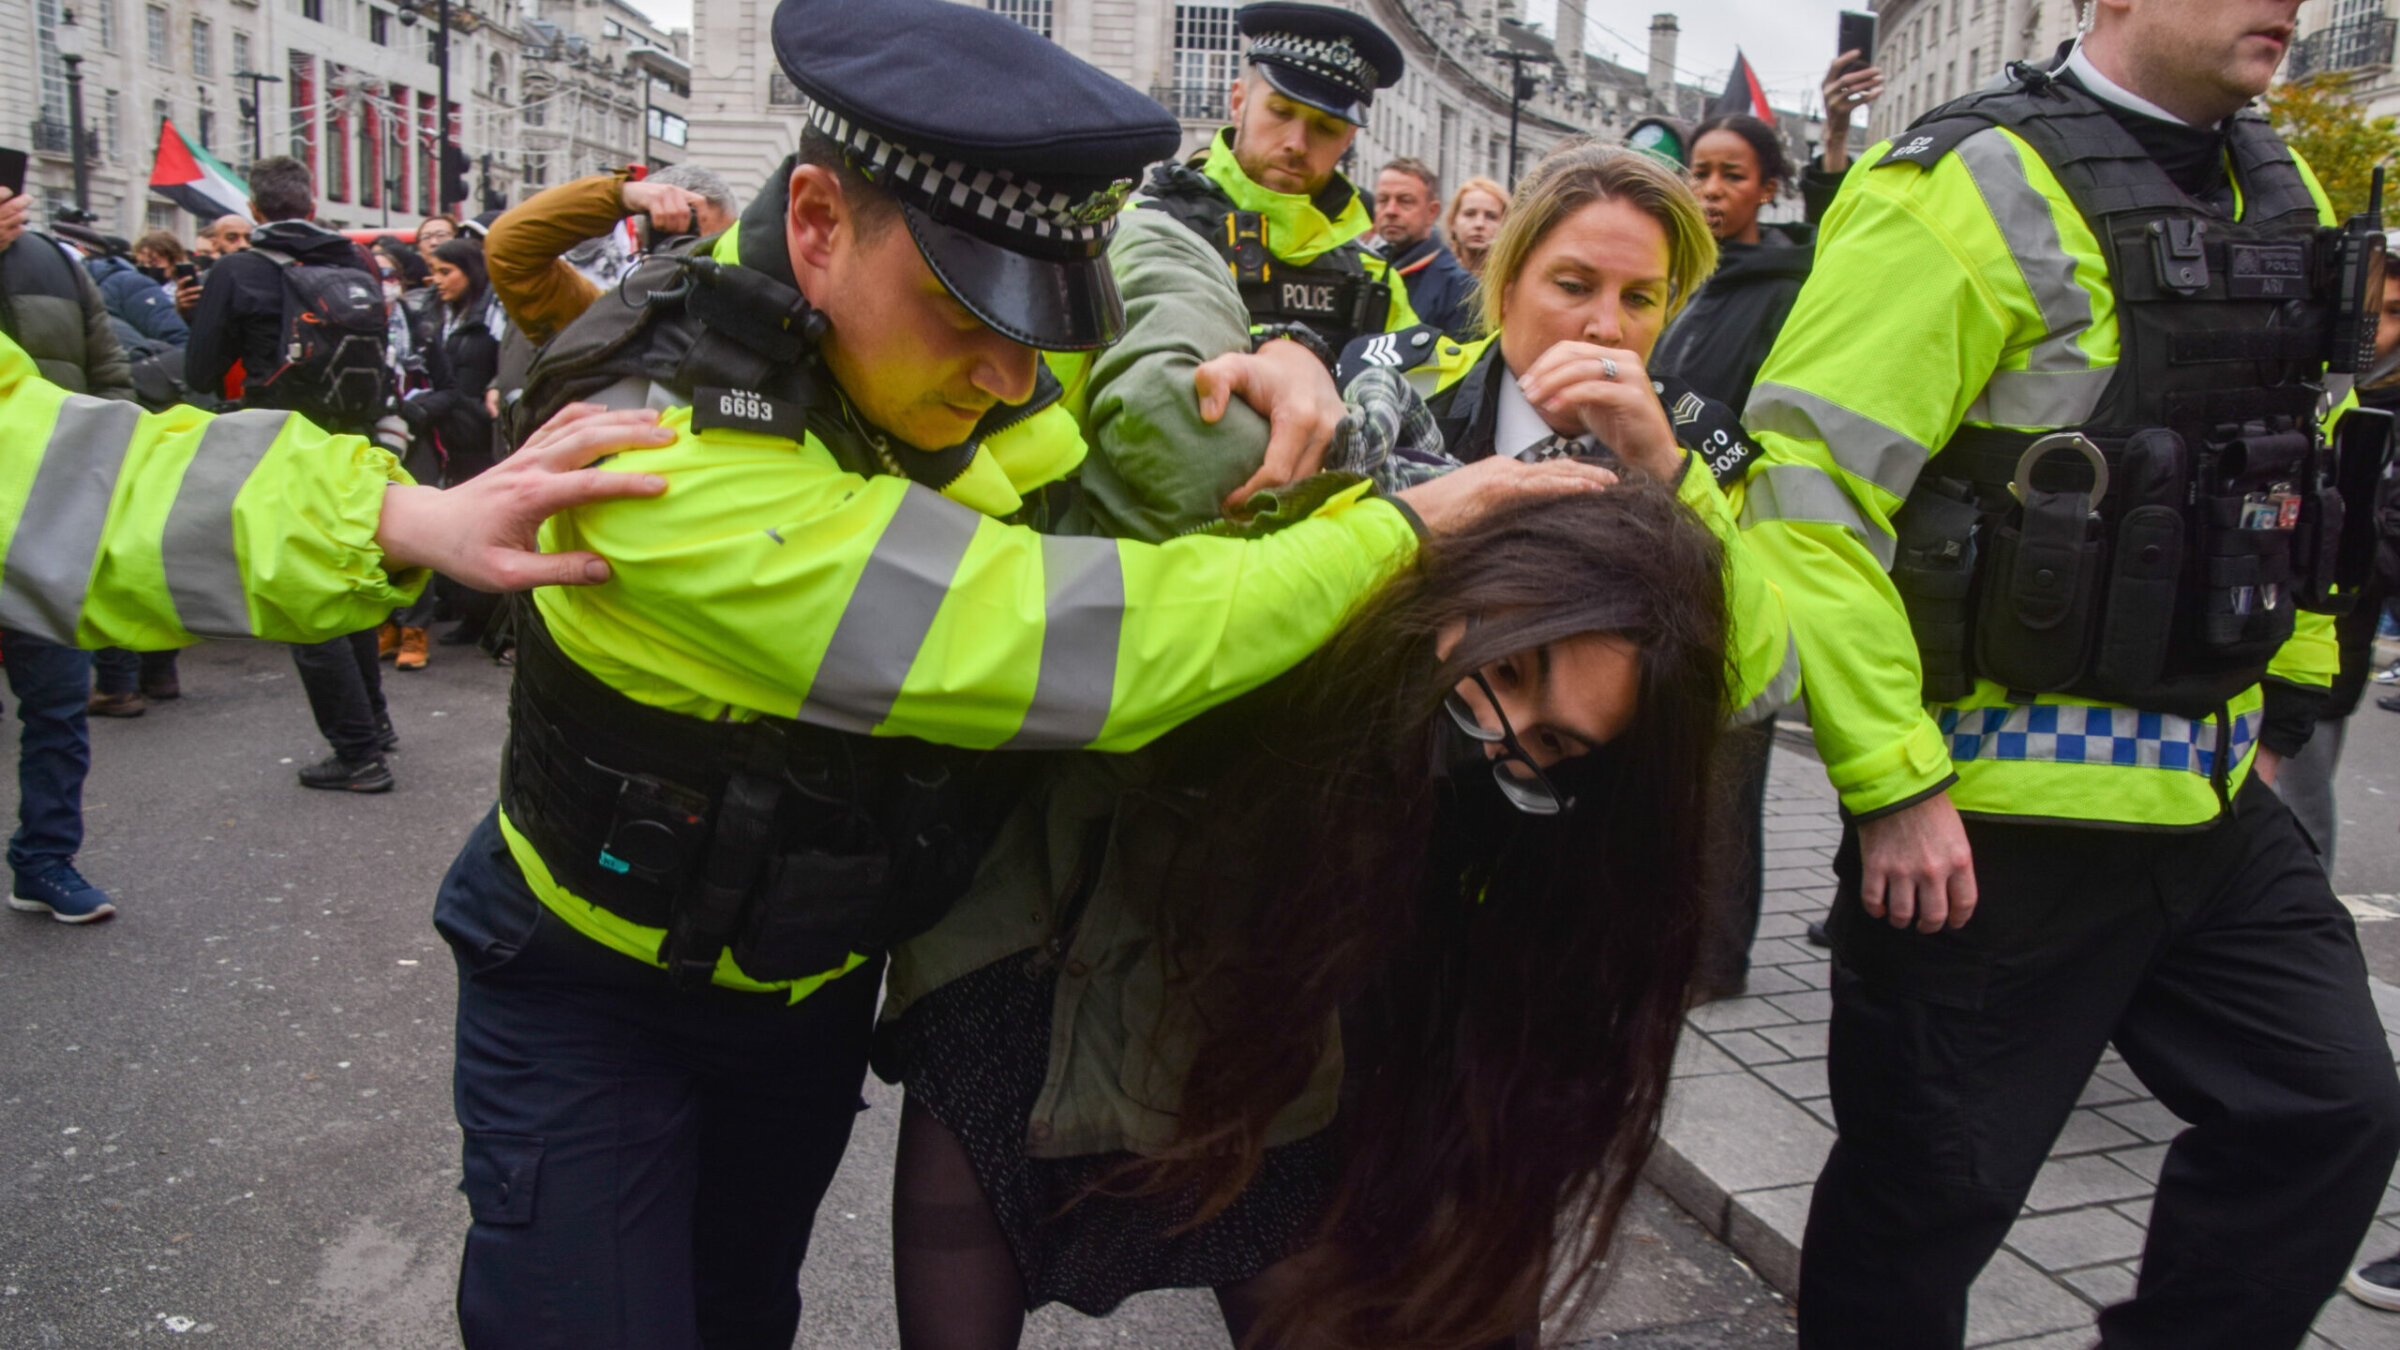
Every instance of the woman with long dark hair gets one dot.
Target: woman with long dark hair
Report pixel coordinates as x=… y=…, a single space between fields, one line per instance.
x=452 y=427
x=1603 y=251
x=1349 y=998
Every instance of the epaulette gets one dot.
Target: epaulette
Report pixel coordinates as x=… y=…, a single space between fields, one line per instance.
x=1926 y=144
x=1404 y=350
x=1709 y=429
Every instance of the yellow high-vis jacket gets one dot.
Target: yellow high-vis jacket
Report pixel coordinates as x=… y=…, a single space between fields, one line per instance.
x=1968 y=294
x=120 y=528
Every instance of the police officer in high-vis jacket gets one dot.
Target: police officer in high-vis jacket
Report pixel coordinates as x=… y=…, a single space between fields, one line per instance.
x=764 y=751
x=2045 y=491
x=1266 y=192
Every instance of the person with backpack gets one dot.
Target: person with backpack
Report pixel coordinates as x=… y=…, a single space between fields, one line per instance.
x=299 y=319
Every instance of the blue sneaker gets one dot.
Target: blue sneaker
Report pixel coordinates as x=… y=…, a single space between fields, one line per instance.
x=63 y=894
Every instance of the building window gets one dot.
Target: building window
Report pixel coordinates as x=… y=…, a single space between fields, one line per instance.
x=395 y=151
x=241 y=54
x=1208 y=56
x=370 y=168
x=158 y=216
x=208 y=129
x=782 y=93
x=155 y=28
x=311 y=10
x=111 y=125
x=303 y=87
x=379 y=27
x=1034 y=14
x=535 y=172
x=204 y=54
x=340 y=98
x=610 y=28
x=666 y=126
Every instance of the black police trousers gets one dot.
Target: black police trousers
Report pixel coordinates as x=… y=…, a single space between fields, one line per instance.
x=643 y=1164
x=2230 y=979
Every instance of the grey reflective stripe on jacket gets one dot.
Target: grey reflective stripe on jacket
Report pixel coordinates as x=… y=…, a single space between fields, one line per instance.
x=48 y=569
x=49 y=563
x=204 y=573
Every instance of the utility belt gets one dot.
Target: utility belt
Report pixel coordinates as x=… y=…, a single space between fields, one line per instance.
x=2154 y=569
x=1338 y=303
x=790 y=845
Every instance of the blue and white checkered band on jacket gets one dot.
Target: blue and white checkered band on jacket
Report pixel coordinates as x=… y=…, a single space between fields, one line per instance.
x=1009 y=210
x=1333 y=59
x=2074 y=734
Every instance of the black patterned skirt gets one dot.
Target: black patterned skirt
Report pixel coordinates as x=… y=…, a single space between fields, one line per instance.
x=975 y=1051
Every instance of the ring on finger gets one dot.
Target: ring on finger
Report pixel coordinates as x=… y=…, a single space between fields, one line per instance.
x=1608 y=369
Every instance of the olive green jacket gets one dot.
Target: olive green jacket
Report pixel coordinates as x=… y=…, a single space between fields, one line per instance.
x=1069 y=873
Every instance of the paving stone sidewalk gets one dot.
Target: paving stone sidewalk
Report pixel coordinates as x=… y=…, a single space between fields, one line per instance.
x=1748 y=1125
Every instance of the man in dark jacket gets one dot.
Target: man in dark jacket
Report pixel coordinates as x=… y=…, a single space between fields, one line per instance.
x=50 y=307
x=1408 y=201
x=239 y=319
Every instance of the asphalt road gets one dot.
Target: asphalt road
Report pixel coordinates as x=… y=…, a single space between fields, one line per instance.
x=227 y=1111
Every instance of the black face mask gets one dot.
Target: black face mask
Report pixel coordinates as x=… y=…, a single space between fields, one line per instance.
x=157 y=274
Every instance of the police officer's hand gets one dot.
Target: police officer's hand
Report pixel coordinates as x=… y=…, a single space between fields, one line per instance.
x=2266 y=765
x=1916 y=868
x=1286 y=384
x=1606 y=392
x=670 y=208
x=483 y=532
x=1461 y=497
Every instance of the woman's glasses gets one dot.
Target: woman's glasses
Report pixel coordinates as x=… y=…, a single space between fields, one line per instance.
x=1521 y=780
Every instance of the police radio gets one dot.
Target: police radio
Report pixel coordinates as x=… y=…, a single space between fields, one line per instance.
x=2358 y=286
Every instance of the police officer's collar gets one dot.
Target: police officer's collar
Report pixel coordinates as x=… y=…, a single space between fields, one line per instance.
x=761 y=240
x=2106 y=90
x=1298 y=228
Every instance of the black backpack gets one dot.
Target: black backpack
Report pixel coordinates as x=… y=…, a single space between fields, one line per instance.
x=332 y=345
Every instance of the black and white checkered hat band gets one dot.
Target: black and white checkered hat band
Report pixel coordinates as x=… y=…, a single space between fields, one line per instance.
x=1000 y=200
x=1332 y=58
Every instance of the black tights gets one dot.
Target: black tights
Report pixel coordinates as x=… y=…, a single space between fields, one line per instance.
x=955 y=1277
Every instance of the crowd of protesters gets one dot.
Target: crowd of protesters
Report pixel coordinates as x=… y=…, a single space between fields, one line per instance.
x=1475 y=988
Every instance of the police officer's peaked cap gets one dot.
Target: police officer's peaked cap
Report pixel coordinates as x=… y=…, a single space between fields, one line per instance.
x=1330 y=59
x=1009 y=157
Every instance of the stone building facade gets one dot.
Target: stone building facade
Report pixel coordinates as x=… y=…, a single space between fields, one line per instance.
x=353 y=91
x=1451 y=109
x=2352 y=39
x=1932 y=51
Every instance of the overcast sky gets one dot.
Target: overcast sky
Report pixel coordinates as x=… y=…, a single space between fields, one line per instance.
x=1789 y=42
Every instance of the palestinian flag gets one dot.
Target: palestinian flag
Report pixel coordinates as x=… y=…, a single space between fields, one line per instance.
x=192 y=178
x=1743 y=93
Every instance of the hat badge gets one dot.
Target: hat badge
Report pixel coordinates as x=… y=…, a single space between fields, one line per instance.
x=1103 y=205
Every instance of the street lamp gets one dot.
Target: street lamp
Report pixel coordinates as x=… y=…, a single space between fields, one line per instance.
x=409 y=10
x=67 y=37
x=1520 y=88
x=255 y=108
